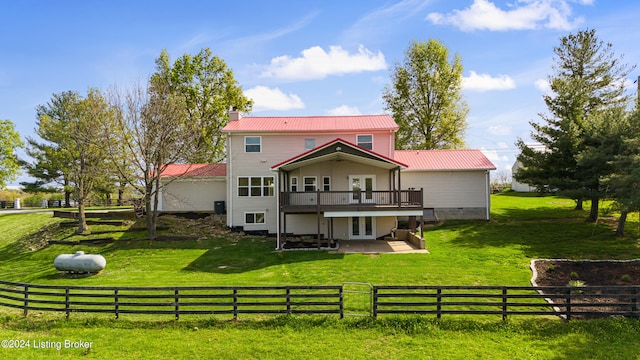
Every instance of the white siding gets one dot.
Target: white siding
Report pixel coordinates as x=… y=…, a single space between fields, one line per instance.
x=307 y=224
x=277 y=148
x=193 y=194
x=518 y=186
x=449 y=189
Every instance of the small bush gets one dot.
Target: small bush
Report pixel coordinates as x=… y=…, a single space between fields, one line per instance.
x=577 y=284
x=550 y=267
x=625 y=278
x=573 y=275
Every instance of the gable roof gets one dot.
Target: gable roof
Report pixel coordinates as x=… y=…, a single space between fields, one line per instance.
x=195 y=170
x=334 y=150
x=312 y=123
x=444 y=160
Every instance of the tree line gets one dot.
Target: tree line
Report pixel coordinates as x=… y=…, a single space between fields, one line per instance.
x=103 y=141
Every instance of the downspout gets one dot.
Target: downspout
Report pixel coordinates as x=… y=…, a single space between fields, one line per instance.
x=278 y=209
x=229 y=183
x=487 y=194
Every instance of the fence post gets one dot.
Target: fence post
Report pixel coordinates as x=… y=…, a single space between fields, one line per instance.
x=26 y=300
x=176 y=299
x=634 y=300
x=341 y=295
x=375 y=302
x=568 y=303
x=288 y=301
x=439 y=302
x=504 y=303
x=235 y=304
x=116 y=302
x=66 y=302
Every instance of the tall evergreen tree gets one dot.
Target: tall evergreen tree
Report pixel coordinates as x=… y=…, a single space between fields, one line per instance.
x=623 y=184
x=588 y=78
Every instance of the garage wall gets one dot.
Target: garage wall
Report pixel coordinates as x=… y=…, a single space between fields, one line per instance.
x=193 y=194
x=452 y=194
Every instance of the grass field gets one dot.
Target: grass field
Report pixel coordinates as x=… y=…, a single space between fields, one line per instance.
x=497 y=252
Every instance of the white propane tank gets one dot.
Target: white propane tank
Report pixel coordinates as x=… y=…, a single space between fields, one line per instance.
x=80 y=262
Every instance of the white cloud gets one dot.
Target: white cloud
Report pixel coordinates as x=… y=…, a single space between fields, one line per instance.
x=493 y=155
x=523 y=15
x=344 y=110
x=486 y=82
x=499 y=130
x=543 y=85
x=265 y=98
x=316 y=63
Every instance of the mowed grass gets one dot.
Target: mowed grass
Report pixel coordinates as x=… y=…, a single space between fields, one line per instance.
x=497 y=252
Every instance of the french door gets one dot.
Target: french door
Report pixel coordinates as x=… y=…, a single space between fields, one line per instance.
x=362 y=227
x=362 y=187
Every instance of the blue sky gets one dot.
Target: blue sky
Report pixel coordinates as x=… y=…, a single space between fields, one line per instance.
x=307 y=57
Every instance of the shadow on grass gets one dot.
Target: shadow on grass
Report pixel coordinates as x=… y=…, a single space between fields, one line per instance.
x=252 y=254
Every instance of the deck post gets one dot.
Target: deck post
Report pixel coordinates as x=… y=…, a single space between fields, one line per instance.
x=318 y=215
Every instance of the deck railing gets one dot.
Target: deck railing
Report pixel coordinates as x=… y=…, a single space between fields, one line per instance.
x=381 y=199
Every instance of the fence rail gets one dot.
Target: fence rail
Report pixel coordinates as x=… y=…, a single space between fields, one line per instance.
x=567 y=302
x=213 y=300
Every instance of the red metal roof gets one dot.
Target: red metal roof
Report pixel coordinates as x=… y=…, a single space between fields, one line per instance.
x=195 y=170
x=444 y=160
x=313 y=123
x=344 y=142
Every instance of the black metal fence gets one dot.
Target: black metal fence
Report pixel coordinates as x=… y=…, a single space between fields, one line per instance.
x=566 y=301
x=213 y=300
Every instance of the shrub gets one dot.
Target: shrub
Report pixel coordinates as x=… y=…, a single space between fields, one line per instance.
x=551 y=267
x=573 y=275
x=577 y=284
x=625 y=278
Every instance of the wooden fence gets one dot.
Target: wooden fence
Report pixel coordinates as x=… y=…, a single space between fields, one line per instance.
x=231 y=300
x=565 y=301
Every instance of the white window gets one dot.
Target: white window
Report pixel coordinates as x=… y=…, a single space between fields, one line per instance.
x=294 y=183
x=253 y=144
x=254 y=218
x=309 y=144
x=256 y=186
x=365 y=141
x=326 y=183
x=310 y=183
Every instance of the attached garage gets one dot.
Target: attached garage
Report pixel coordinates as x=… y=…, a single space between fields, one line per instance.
x=193 y=188
x=455 y=183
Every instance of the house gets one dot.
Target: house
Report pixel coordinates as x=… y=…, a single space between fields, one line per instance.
x=515 y=184
x=341 y=178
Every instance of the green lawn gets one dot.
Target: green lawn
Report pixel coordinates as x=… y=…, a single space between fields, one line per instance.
x=497 y=252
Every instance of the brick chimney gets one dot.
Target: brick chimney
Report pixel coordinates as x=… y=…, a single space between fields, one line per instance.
x=234 y=114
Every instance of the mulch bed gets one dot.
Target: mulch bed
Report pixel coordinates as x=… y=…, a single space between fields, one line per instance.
x=591 y=273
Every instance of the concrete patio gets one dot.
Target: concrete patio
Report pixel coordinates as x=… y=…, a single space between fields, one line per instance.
x=378 y=247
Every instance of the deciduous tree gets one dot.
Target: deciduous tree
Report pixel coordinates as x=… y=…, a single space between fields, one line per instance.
x=425 y=98
x=9 y=142
x=208 y=88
